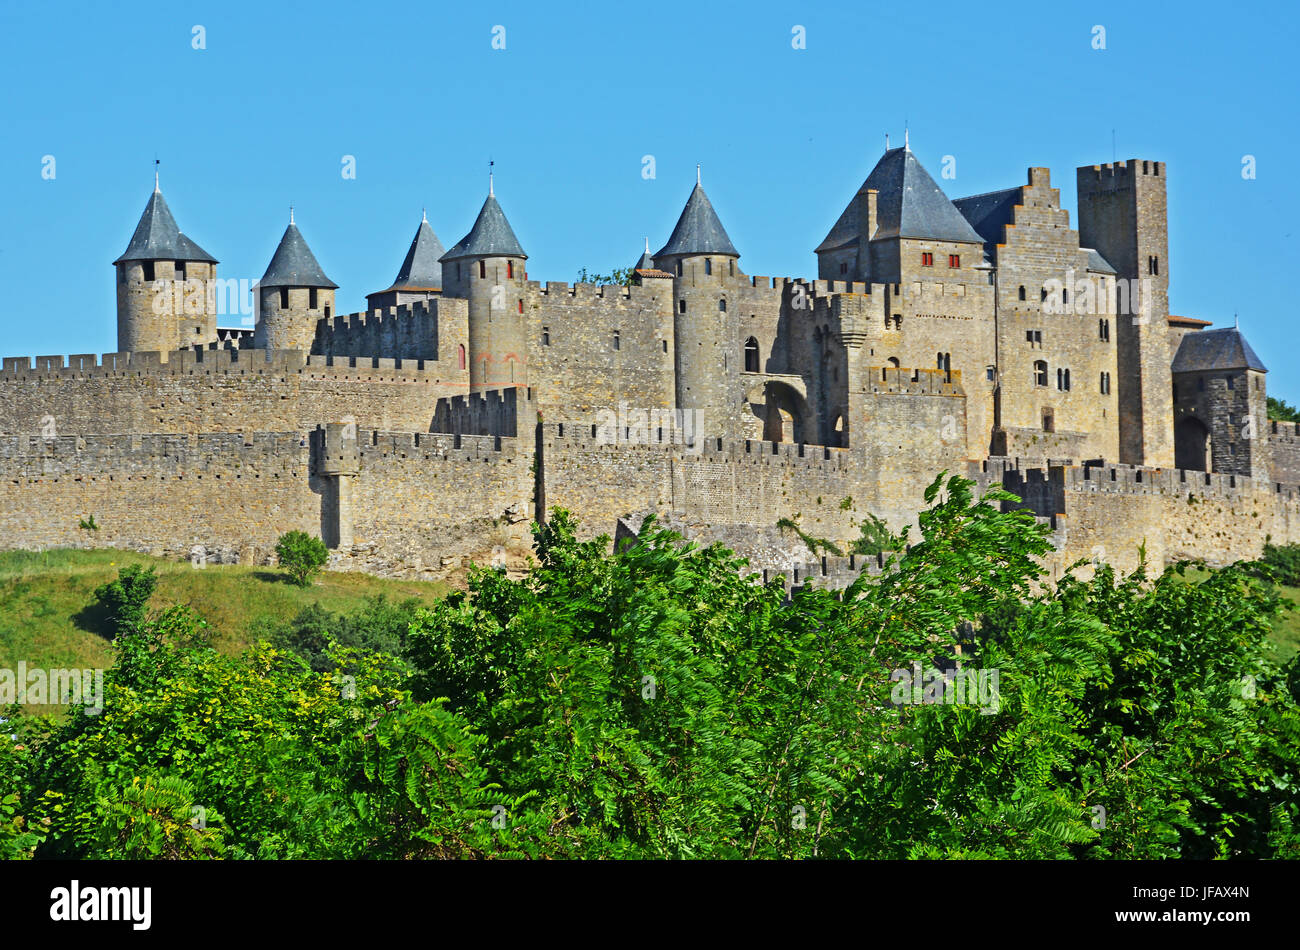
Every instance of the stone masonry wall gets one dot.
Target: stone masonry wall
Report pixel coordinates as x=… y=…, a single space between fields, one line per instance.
x=213 y=391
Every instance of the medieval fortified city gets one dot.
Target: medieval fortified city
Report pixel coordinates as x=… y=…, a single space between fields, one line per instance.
x=990 y=336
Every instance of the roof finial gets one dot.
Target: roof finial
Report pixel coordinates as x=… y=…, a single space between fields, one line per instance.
x=697 y=173
x=156 y=163
x=1234 y=321
x=291 y=214
x=647 y=245
x=907 y=145
x=886 y=141
x=424 y=215
x=491 y=193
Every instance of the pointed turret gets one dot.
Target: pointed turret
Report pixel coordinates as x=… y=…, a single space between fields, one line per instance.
x=162 y=292
x=294 y=294
x=486 y=267
x=698 y=231
x=293 y=264
x=491 y=236
x=420 y=275
x=645 y=267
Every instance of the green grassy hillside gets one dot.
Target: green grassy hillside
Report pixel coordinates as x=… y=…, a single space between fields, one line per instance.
x=47 y=620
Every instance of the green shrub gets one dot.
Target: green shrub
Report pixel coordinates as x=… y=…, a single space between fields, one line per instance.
x=301 y=555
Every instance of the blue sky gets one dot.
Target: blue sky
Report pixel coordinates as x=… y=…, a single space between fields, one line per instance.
x=416 y=93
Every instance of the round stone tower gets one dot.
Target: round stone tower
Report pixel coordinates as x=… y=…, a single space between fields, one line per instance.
x=702 y=260
x=164 y=295
x=487 y=268
x=294 y=295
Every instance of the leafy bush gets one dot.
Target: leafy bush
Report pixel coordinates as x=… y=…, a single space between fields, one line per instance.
x=301 y=555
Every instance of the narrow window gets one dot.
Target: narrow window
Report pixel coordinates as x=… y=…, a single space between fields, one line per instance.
x=731 y=268
x=616 y=340
x=148 y=270
x=681 y=306
x=722 y=304
x=1067 y=380
x=1044 y=297
x=521 y=306
x=284 y=298
x=327 y=311
x=1040 y=372
x=1153 y=265
x=312 y=301
x=180 y=270
x=665 y=343
x=679 y=268
x=461 y=353
x=751 y=355
x=1065 y=296
x=1230 y=382
x=954 y=260
x=1022 y=291
x=546 y=336
x=1049 y=420
x=708 y=265
x=927 y=259
x=482 y=269
x=510 y=269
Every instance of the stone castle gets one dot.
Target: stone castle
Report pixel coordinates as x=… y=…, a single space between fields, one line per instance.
x=983 y=336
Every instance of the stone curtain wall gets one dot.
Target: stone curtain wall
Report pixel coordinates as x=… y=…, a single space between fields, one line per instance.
x=214 y=391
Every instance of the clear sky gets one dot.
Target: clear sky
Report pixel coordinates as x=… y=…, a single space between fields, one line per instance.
x=417 y=94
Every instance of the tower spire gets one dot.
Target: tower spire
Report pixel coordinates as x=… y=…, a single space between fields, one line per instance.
x=424 y=215
x=697 y=173
x=886 y=141
x=491 y=193
x=907 y=145
x=291 y=214
x=156 y=163
x=647 y=245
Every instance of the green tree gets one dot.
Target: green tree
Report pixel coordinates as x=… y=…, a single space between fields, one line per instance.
x=301 y=555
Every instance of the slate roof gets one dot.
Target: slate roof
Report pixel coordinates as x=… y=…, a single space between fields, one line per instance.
x=698 y=230
x=294 y=265
x=421 y=270
x=157 y=238
x=1204 y=350
x=909 y=205
x=989 y=213
x=1098 y=263
x=491 y=236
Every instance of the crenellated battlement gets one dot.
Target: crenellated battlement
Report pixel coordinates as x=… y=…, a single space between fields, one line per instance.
x=661 y=440
x=230 y=361
x=1129 y=480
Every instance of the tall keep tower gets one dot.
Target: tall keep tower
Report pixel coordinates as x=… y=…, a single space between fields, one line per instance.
x=487 y=268
x=164 y=298
x=293 y=295
x=1123 y=215
x=702 y=260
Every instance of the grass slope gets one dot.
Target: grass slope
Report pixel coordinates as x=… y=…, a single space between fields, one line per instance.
x=45 y=596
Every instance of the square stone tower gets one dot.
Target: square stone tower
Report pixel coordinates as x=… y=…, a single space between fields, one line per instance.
x=1123 y=215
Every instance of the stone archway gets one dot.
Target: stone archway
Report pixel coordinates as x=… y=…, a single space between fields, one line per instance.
x=787 y=414
x=1192 y=449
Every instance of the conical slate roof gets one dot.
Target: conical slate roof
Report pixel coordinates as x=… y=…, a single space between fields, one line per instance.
x=1215 y=350
x=698 y=230
x=491 y=236
x=421 y=270
x=909 y=205
x=294 y=265
x=157 y=238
